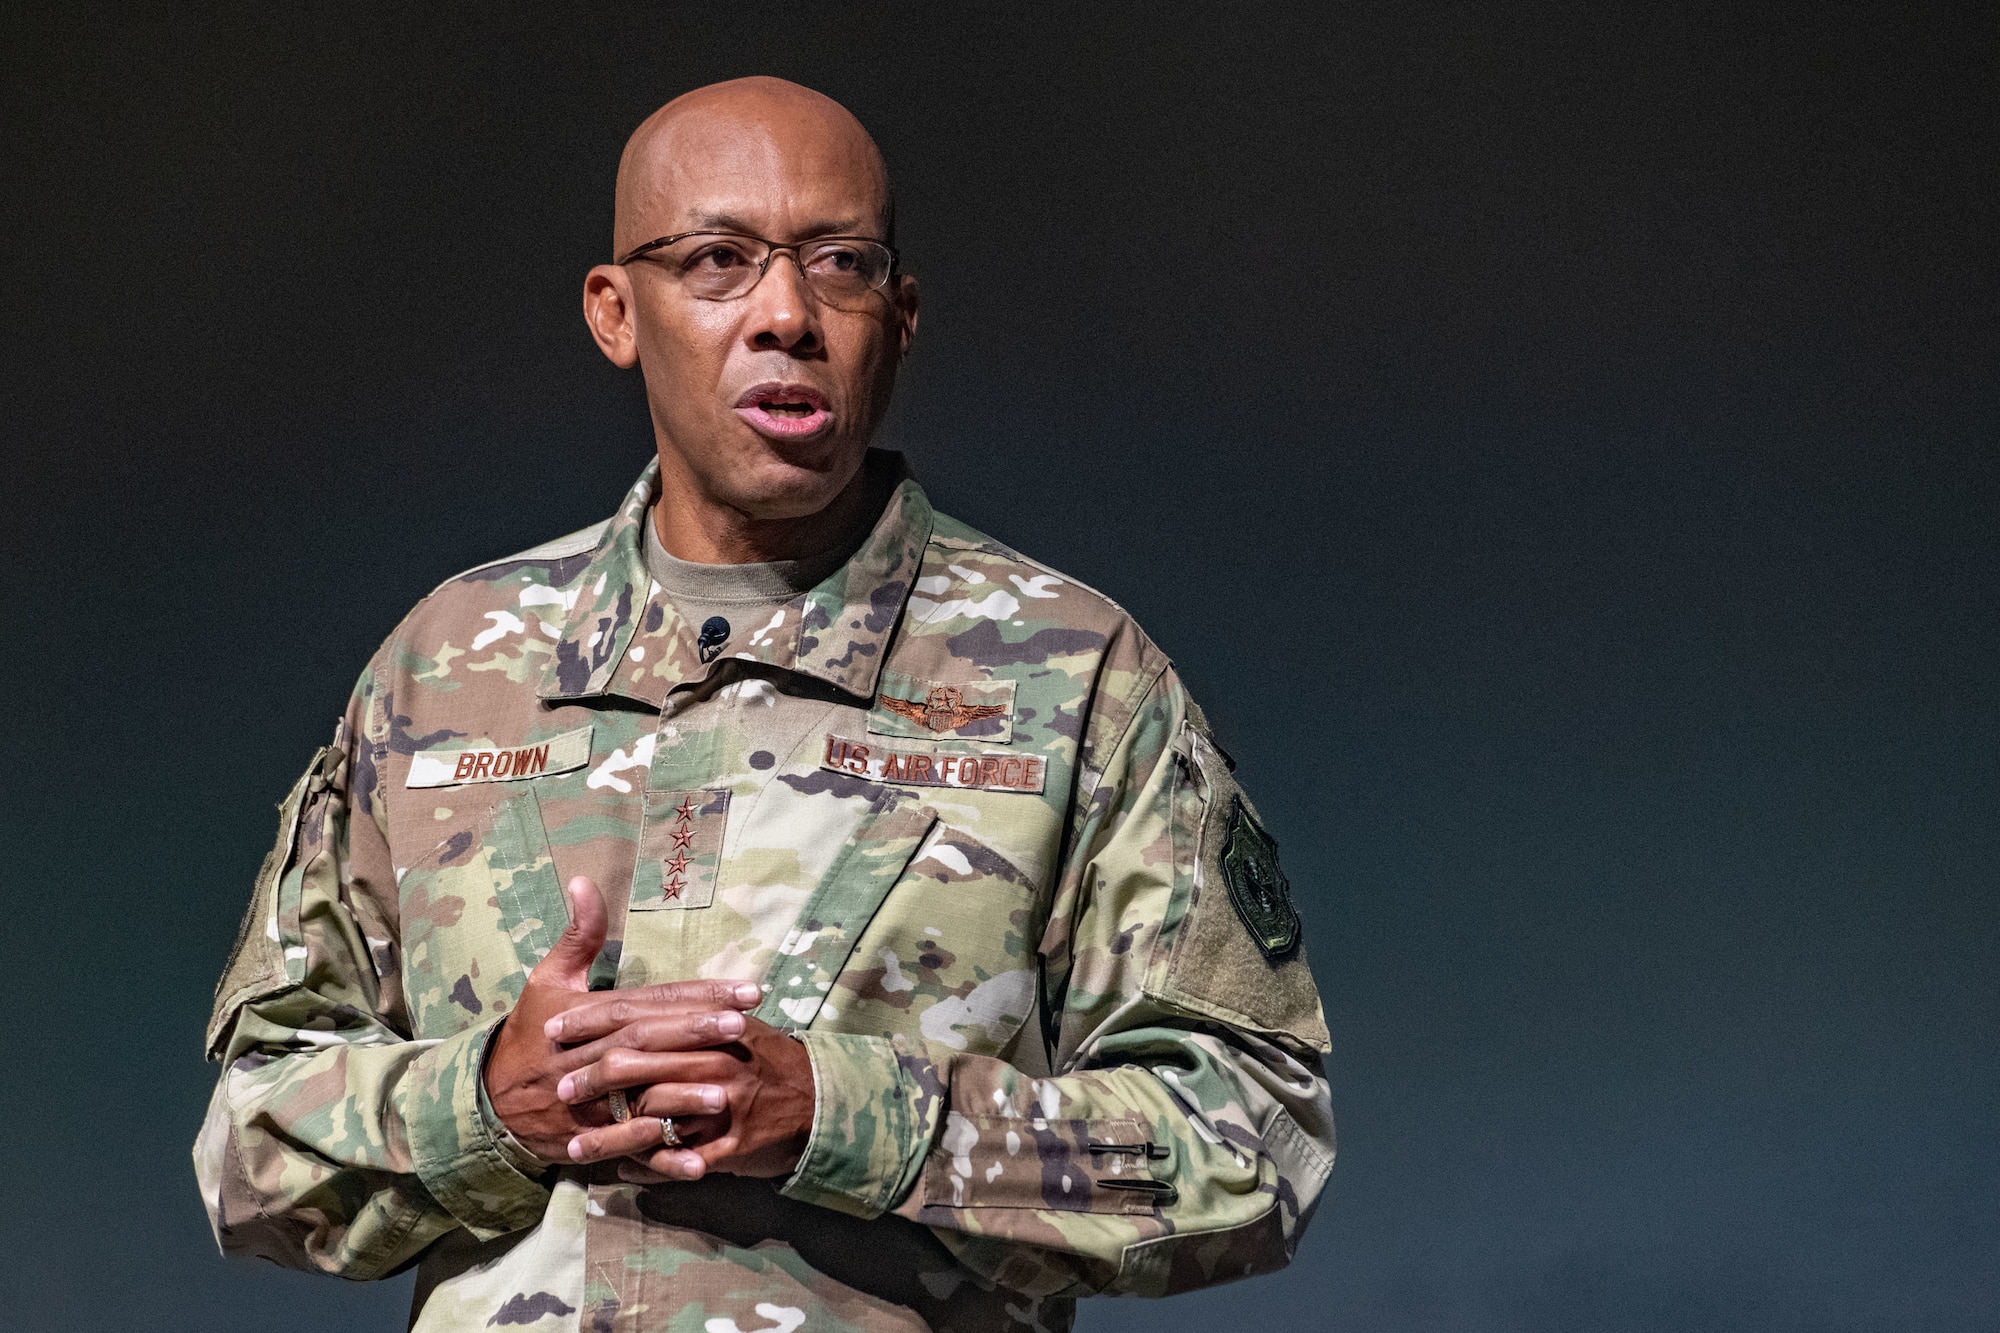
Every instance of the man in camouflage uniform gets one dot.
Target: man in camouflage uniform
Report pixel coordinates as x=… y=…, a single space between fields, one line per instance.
x=778 y=906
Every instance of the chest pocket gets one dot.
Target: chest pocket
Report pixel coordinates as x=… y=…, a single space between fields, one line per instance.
x=479 y=909
x=947 y=956
x=837 y=915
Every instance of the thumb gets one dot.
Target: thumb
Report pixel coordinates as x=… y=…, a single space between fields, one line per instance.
x=567 y=964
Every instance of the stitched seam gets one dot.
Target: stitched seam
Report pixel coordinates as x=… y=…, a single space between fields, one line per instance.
x=804 y=1174
x=1187 y=1233
x=904 y=1096
x=366 y=1272
x=1097 y=779
x=485 y=1149
x=555 y=549
x=1289 y=1129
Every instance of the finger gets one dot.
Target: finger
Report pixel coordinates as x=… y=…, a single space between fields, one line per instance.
x=634 y=1138
x=739 y=994
x=688 y=1163
x=684 y=1101
x=566 y=966
x=664 y=1165
x=681 y=1034
x=686 y=1030
x=599 y=1017
x=624 y=1067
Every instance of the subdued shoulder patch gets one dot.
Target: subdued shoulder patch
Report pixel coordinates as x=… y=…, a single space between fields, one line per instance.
x=1243 y=963
x=1258 y=888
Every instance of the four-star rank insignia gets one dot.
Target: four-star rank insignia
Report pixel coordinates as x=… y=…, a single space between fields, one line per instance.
x=1258 y=888
x=680 y=849
x=943 y=709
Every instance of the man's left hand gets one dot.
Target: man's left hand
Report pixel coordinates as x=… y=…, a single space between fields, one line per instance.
x=764 y=1077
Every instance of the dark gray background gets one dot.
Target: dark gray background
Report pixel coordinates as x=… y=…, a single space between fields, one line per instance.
x=1557 y=443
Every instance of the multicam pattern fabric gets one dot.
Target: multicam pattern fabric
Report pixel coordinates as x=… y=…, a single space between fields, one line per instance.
x=1049 y=1059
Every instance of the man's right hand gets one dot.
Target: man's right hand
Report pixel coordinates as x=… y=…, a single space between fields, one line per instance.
x=525 y=1066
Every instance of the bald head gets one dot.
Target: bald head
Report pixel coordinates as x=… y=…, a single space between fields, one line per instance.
x=764 y=394
x=677 y=170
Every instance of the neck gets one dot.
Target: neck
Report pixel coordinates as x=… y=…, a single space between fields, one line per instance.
x=701 y=529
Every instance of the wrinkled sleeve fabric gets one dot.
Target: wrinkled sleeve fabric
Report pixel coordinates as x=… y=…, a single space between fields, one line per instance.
x=334 y=1142
x=1187 y=1132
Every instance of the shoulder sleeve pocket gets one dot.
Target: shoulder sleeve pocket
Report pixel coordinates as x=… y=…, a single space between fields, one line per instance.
x=1232 y=936
x=257 y=962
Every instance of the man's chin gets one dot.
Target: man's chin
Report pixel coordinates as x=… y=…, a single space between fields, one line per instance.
x=786 y=483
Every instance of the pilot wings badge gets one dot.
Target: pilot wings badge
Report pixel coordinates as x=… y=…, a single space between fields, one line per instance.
x=943 y=709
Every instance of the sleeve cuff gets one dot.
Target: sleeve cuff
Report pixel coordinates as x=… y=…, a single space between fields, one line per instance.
x=514 y=1152
x=476 y=1171
x=874 y=1115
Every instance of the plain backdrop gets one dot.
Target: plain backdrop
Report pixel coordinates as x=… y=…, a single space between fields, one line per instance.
x=1557 y=443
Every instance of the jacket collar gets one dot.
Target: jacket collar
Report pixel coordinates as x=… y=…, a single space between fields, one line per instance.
x=838 y=632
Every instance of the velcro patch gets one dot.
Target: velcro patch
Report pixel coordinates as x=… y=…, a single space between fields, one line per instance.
x=973 y=710
x=1015 y=772
x=486 y=762
x=680 y=849
x=1257 y=884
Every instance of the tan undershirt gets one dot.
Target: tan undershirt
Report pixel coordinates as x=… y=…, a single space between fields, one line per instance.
x=742 y=598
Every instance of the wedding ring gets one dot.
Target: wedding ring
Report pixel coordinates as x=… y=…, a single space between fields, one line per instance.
x=668 y=1134
x=621 y=1110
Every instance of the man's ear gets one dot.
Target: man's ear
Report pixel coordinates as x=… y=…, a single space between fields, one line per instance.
x=607 y=309
x=906 y=314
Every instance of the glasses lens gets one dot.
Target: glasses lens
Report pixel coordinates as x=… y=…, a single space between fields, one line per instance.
x=717 y=268
x=841 y=267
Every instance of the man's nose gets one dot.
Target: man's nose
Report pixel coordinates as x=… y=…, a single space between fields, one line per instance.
x=783 y=315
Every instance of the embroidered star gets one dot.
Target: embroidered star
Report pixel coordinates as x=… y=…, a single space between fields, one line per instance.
x=678 y=866
x=673 y=888
x=686 y=808
x=683 y=837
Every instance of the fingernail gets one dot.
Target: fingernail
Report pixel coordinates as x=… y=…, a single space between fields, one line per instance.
x=565 y=1088
x=747 y=993
x=729 y=1025
x=576 y=1150
x=554 y=1027
x=712 y=1098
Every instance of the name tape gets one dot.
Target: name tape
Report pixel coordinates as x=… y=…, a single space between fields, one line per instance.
x=492 y=763
x=1026 y=773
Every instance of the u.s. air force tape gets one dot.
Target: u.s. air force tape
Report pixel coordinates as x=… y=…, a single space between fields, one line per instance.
x=983 y=771
x=484 y=761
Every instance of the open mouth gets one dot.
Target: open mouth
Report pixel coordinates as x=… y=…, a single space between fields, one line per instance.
x=784 y=411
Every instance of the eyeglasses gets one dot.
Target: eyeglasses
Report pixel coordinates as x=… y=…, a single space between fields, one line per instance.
x=723 y=265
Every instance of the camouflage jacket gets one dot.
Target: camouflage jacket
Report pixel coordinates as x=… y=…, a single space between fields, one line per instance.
x=953 y=810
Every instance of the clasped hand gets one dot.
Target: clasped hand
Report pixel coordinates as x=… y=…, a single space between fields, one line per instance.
x=740 y=1092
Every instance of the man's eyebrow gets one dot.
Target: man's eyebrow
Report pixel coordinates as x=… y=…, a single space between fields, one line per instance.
x=730 y=222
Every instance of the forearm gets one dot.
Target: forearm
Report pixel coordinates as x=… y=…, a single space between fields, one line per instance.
x=350 y=1152
x=1176 y=1161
